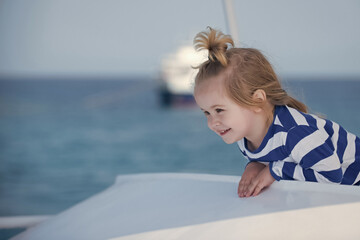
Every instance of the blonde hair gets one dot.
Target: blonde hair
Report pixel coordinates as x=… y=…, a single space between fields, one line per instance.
x=245 y=70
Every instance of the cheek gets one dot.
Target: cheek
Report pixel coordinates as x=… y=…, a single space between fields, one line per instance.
x=210 y=125
x=239 y=120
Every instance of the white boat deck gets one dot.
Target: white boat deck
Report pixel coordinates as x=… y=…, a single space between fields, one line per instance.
x=201 y=206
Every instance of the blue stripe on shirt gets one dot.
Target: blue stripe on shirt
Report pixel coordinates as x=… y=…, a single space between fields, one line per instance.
x=274 y=155
x=296 y=134
x=309 y=175
x=310 y=119
x=317 y=154
x=329 y=128
x=333 y=175
x=286 y=118
x=353 y=169
x=341 y=143
x=288 y=170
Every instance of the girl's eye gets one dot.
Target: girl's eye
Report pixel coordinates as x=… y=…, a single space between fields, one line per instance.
x=219 y=110
x=206 y=113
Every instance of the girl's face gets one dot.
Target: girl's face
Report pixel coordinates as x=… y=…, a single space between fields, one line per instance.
x=228 y=119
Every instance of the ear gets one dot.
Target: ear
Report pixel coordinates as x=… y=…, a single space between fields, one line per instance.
x=259 y=96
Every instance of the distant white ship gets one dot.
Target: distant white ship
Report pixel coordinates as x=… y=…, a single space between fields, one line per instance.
x=177 y=70
x=177 y=75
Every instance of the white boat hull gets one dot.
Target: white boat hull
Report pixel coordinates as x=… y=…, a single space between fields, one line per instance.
x=201 y=206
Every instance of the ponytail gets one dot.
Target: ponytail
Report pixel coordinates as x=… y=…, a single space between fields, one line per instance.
x=216 y=43
x=292 y=102
x=278 y=96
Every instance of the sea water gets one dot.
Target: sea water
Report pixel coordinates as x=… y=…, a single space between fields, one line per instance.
x=63 y=140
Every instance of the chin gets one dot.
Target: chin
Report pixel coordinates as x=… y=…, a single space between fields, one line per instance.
x=229 y=141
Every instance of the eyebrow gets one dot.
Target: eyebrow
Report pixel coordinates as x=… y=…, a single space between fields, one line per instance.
x=214 y=106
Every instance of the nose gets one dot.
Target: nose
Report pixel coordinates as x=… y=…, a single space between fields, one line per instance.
x=213 y=122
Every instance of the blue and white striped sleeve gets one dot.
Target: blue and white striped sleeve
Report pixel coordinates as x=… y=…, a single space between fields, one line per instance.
x=312 y=157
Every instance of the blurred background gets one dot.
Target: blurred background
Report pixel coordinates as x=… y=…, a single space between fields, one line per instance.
x=83 y=98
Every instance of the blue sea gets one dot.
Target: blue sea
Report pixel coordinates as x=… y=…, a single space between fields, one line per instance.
x=64 y=140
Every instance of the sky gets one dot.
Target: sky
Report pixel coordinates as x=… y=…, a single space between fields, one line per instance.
x=117 y=37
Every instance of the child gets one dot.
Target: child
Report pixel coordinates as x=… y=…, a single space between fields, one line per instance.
x=244 y=102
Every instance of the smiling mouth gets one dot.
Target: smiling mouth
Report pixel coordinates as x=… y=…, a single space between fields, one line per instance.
x=222 y=133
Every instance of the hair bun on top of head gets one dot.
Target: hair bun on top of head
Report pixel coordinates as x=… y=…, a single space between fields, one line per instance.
x=216 y=43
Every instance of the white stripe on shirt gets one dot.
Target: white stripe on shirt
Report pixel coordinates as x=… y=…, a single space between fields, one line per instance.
x=277 y=168
x=322 y=179
x=349 y=154
x=330 y=163
x=276 y=141
x=357 y=178
x=277 y=121
x=298 y=173
x=303 y=147
x=298 y=117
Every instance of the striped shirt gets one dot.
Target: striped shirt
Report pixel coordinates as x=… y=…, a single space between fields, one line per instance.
x=304 y=147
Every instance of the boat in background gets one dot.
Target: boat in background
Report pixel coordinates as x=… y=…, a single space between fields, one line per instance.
x=177 y=69
x=177 y=74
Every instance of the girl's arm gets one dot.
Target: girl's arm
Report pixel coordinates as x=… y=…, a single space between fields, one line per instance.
x=312 y=157
x=293 y=171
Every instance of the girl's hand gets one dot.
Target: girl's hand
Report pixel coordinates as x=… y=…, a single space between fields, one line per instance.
x=252 y=170
x=261 y=181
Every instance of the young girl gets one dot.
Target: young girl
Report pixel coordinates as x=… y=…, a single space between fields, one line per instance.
x=244 y=102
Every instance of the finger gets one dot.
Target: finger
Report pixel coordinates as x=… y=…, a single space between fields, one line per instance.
x=243 y=185
x=241 y=188
x=257 y=190
x=251 y=188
